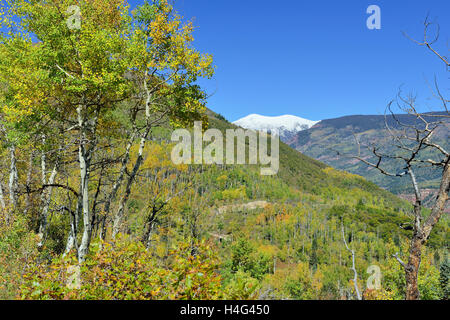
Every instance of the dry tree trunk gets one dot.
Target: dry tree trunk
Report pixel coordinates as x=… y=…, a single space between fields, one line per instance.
x=72 y=237
x=412 y=269
x=421 y=236
x=355 y=273
x=2 y=198
x=13 y=177
x=28 y=183
x=422 y=233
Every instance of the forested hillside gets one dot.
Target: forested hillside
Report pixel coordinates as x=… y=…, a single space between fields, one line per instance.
x=93 y=207
x=290 y=246
x=333 y=141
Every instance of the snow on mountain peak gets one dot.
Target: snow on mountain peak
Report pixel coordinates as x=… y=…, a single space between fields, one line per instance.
x=287 y=124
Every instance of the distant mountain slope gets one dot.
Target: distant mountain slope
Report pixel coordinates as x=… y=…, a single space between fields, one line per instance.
x=306 y=173
x=332 y=190
x=288 y=125
x=322 y=141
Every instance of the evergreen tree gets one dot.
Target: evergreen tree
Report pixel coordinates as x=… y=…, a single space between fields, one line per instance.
x=443 y=279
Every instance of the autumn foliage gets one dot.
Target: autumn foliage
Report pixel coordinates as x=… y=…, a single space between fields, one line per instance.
x=126 y=270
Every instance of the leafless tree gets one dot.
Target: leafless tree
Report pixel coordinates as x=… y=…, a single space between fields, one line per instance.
x=355 y=273
x=414 y=142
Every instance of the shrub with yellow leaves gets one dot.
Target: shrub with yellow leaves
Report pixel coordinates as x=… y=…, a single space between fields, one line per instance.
x=126 y=270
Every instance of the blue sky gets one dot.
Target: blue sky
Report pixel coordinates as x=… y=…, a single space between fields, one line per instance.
x=314 y=59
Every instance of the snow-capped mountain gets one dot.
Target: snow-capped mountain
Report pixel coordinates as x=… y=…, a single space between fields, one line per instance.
x=288 y=125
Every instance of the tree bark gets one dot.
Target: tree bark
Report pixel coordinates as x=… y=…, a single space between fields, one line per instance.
x=117 y=183
x=13 y=177
x=355 y=273
x=412 y=268
x=74 y=219
x=147 y=239
x=28 y=183
x=84 y=156
x=124 y=199
x=137 y=165
x=47 y=197
x=2 y=198
x=422 y=233
x=442 y=198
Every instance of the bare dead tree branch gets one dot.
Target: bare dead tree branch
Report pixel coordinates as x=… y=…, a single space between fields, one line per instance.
x=411 y=140
x=399 y=260
x=428 y=43
x=355 y=273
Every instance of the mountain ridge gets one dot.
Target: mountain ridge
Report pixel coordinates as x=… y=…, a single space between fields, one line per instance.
x=321 y=142
x=287 y=125
x=319 y=138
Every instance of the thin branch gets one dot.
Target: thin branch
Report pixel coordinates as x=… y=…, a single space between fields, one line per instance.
x=399 y=260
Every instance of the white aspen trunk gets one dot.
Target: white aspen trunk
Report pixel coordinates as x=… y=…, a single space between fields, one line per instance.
x=75 y=219
x=120 y=212
x=84 y=174
x=13 y=177
x=72 y=238
x=2 y=198
x=117 y=183
x=84 y=159
x=70 y=241
x=148 y=236
x=43 y=174
x=28 y=182
x=43 y=163
x=355 y=273
x=45 y=206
